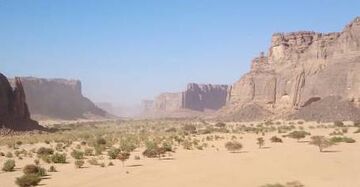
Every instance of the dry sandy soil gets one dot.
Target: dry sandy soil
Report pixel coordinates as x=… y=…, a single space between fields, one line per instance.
x=215 y=166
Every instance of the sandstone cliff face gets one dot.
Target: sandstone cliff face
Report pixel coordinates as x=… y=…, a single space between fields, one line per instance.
x=196 y=98
x=59 y=99
x=202 y=97
x=168 y=102
x=302 y=68
x=14 y=112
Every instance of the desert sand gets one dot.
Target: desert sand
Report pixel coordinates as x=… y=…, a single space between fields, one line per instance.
x=215 y=166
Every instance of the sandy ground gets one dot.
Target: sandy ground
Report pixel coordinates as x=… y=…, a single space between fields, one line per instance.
x=214 y=167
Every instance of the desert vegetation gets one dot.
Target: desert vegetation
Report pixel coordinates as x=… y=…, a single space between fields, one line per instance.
x=129 y=145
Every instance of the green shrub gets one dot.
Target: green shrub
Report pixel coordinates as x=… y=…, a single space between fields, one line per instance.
x=77 y=154
x=113 y=153
x=9 y=165
x=338 y=139
x=127 y=146
x=28 y=180
x=298 y=135
x=34 y=169
x=233 y=146
x=45 y=151
x=58 y=158
x=101 y=141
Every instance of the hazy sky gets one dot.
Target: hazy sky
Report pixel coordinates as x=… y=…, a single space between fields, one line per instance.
x=124 y=51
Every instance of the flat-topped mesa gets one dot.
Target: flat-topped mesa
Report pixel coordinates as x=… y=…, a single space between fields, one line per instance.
x=58 y=99
x=14 y=112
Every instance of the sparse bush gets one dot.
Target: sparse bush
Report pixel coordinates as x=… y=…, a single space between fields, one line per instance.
x=52 y=169
x=123 y=156
x=77 y=154
x=127 y=146
x=233 y=146
x=298 y=135
x=28 y=180
x=113 y=153
x=220 y=125
x=338 y=139
x=44 y=151
x=190 y=128
x=9 y=165
x=101 y=141
x=276 y=139
x=34 y=169
x=339 y=124
x=89 y=152
x=260 y=142
x=321 y=141
x=79 y=163
x=58 y=158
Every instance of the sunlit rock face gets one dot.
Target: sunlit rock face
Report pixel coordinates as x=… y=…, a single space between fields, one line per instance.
x=14 y=112
x=59 y=99
x=196 y=97
x=301 y=68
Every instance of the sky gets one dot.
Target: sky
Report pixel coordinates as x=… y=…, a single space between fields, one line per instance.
x=124 y=51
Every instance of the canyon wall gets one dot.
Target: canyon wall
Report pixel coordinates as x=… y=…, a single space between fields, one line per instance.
x=202 y=97
x=14 y=112
x=58 y=99
x=196 y=98
x=300 y=69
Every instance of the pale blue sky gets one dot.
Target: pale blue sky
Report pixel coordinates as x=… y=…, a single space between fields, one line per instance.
x=124 y=51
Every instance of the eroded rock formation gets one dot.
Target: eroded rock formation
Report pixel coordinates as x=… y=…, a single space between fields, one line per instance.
x=14 y=112
x=302 y=68
x=196 y=98
x=58 y=99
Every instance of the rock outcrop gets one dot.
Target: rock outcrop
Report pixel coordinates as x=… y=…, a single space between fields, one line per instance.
x=202 y=97
x=196 y=99
x=301 y=68
x=14 y=112
x=58 y=99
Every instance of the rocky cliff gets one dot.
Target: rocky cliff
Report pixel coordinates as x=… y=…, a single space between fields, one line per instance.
x=196 y=98
x=301 y=69
x=14 y=112
x=202 y=97
x=58 y=99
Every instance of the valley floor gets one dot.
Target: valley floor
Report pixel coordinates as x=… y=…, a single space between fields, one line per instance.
x=215 y=166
